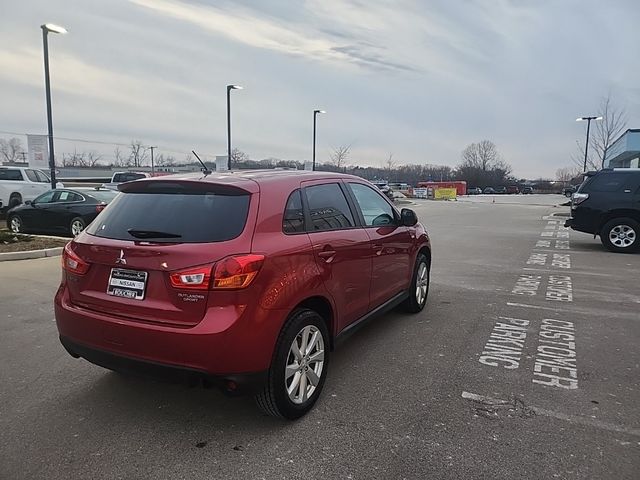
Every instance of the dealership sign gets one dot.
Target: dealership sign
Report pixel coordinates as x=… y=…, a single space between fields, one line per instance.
x=38 y=151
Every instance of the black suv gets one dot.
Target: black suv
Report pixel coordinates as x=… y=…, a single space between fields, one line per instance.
x=608 y=204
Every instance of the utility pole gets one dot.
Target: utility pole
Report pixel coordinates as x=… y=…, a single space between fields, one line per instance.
x=152 y=165
x=586 y=147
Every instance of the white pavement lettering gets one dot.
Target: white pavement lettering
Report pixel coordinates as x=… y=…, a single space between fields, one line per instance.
x=505 y=344
x=561 y=260
x=555 y=364
x=527 y=285
x=543 y=244
x=562 y=244
x=559 y=288
x=537 y=259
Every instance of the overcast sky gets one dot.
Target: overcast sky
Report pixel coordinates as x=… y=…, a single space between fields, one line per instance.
x=419 y=79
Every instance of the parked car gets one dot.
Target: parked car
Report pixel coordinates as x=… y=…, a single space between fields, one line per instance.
x=489 y=190
x=501 y=190
x=527 y=190
x=513 y=189
x=570 y=190
x=608 y=204
x=385 y=188
x=123 y=177
x=246 y=280
x=19 y=184
x=474 y=190
x=66 y=211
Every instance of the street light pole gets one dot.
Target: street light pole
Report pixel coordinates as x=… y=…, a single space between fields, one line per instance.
x=315 y=114
x=152 y=166
x=586 y=147
x=46 y=28
x=229 y=88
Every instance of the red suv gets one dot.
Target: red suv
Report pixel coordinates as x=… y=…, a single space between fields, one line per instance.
x=246 y=280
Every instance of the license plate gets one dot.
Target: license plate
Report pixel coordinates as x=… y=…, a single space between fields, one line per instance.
x=127 y=283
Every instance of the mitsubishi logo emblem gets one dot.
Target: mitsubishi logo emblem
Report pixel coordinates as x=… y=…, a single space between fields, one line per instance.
x=121 y=260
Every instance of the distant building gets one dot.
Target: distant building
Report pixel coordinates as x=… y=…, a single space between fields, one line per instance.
x=625 y=151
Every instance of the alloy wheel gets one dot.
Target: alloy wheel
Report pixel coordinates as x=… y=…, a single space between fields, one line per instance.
x=422 y=283
x=76 y=227
x=622 y=236
x=304 y=364
x=15 y=224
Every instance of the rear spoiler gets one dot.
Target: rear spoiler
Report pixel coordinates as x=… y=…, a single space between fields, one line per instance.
x=180 y=186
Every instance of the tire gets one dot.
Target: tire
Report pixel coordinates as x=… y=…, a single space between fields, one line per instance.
x=76 y=226
x=15 y=200
x=621 y=235
x=275 y=399
x=421 y=277
x=15 y=224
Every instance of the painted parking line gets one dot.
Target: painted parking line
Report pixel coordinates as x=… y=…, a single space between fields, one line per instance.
x=577 y=419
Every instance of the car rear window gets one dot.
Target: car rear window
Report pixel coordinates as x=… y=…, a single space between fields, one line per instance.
x=188 y=217
x=608 y=182
x=102 y=195
x=127 y=177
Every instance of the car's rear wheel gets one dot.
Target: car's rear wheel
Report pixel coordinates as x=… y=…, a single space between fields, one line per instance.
x=76 y=227
x=15 y=224
x=621 y=235
x=419 y=289
x=299 y=367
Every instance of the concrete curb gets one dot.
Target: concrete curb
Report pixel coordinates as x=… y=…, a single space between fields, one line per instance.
x=29 y=254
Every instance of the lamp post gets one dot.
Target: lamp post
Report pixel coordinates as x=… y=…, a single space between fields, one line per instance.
x=229 y=88
x=315 y=114
x=152 y=165
x=586 y=147
x=46 y=28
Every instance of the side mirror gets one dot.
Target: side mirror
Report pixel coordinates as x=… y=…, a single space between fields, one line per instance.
x=408 y=217
x=28 y=202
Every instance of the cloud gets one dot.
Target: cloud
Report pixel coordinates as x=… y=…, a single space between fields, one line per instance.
x=242 y=25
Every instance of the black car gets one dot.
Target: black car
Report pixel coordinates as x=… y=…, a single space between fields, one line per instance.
x=474 y=190
x=608 y=204
x=63 y=211
x=570 y=190
x=527 y=190
x=501 y=190
x=489 y=190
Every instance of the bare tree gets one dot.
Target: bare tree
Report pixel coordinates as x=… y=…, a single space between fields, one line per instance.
x=482 y=155
x=10 y=150
x=238 y=157
x=607 y=130
x=390 y=165
x=339 y=156
x=138 y=153
x=577 y=157
x=75 y=159
x=93 y=158
x=566 y=174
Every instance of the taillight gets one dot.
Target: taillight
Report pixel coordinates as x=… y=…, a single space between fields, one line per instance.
x=72 y=263
x=193 y=278
x=578 y=198
x=236 y=271
x=100 y=207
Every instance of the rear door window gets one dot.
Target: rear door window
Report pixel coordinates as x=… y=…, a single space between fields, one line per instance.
x=174 y=216
x=42 y=178
x=328 y=208
x=608 y=182
x=31 y=175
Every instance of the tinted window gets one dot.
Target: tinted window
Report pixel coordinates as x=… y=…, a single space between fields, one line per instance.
x=127 y=177
x=66 y=196
x=45 y=197
x=7 y=174
x=103 y=195
x=375 y=209
x=198 y=217
x=43 y=178
x=608 y=182
x=293 y=219
x=328 y=207
x=31 y=175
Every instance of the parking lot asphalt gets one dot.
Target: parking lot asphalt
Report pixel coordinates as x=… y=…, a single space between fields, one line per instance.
x=524 y=364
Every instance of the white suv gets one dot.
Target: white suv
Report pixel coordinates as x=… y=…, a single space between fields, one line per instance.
x=19 y=184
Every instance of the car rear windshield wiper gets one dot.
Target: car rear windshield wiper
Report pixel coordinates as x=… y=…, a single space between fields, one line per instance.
x=152 y=234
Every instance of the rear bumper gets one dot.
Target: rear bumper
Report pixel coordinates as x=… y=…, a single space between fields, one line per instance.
x=229 y=343
x=232 y=384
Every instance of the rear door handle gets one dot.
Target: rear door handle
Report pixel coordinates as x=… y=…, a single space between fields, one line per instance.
x=327 y=254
